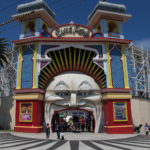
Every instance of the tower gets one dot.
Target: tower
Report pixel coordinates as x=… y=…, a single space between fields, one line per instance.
x=36 y=19
x=107 y=19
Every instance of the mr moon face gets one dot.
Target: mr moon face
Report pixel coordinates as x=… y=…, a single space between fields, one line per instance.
x=73 y=90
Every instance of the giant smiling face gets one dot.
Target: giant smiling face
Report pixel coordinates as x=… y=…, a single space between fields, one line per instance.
x=72 y=90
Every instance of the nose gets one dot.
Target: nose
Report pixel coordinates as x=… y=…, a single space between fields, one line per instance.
x=73 y=100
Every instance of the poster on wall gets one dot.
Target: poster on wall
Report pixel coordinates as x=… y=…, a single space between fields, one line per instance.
x=120 y=111
x=26 y=112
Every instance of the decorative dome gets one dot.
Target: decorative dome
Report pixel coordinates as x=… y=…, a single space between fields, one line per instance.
x=106 y=6
x=35 y=5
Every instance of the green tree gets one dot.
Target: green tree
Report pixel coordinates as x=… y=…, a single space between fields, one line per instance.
x=3 y=55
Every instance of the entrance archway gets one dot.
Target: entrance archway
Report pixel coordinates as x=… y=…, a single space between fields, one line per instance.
x=73 y=90
x=74 y=120
x=73 y=80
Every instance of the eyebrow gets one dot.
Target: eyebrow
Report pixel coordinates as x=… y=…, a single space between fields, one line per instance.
x=62 y=83
x=84 y=82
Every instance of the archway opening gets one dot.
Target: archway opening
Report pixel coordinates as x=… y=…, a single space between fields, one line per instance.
x=74 y=120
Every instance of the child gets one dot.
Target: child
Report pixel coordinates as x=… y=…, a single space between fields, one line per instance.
x=47 y=131
x=62 y=134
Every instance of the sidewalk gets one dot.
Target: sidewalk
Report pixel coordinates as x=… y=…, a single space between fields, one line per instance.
x=75 y=136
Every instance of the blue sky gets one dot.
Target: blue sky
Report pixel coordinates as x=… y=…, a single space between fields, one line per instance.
x=137 y=28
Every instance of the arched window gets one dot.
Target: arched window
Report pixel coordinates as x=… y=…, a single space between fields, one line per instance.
x=27 y=68
x=98 y=28
x=45 y=31
x=116 y=68
x=113 y=29
x=30 y=28
x=98 y=31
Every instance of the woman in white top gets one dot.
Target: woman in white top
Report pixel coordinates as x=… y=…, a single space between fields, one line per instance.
x=147 y=130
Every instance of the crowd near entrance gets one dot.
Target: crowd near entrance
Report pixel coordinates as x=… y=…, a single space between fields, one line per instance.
x=74 y=120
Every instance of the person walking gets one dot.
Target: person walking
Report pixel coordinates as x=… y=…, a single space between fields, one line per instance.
x=147 y=131
x=62 y=134
x=47 y=131
x=57 y=129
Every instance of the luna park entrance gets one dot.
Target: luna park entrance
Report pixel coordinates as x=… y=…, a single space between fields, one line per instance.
x=74 y=120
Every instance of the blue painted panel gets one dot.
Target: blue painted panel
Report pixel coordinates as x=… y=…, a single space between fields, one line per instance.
x=120 y=30
x=37 y=27
x=98 y=48
x=104 y=26
x=117 y=70
x=22 y=30
x=27 y=68
x=45 y=47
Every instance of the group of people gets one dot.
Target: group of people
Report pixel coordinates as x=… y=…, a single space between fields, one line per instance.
x=75 y=124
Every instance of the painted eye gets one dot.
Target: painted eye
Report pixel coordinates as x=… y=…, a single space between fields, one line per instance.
x=84 y=93
x=62 y=94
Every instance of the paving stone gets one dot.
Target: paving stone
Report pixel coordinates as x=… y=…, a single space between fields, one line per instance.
x=77 y=141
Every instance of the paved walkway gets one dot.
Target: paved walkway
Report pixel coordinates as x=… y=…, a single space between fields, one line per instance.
x=75 y=136
x=73 y=141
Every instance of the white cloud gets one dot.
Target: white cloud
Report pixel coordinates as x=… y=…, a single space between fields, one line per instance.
x=144 y=43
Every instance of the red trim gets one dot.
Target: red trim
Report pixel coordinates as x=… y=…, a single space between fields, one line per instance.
x=23 y=91
x=28 y=130
x=115 y=90
x=89 y=40
x=118 y=130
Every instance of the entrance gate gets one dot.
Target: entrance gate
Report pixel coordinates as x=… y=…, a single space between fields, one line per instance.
x=74 y=120
x=43 y=56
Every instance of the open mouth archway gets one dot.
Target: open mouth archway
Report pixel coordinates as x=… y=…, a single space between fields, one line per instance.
x=74 y=120
x=73 y=81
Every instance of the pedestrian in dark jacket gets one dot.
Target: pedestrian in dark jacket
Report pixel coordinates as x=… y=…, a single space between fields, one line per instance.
x=57 y=129
x=47 y=131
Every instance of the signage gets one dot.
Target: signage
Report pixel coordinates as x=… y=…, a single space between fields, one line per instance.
x=71 y=30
